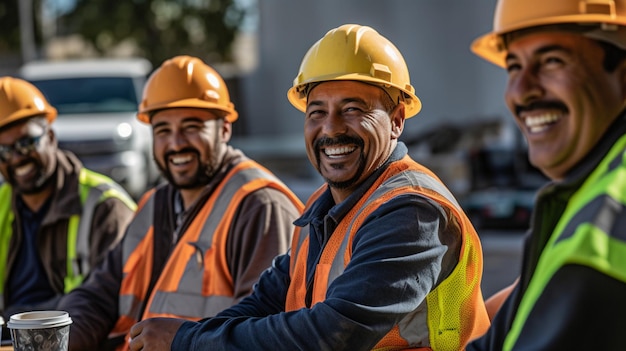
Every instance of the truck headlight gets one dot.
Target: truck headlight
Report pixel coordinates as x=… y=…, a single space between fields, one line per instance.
x=124 y=130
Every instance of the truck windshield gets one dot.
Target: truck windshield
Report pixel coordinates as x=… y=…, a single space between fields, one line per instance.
x=90 y=95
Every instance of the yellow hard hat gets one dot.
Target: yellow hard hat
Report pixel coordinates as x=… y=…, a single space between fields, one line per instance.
x=354 y=52
x=20 y=99
x=185 y=81
x=608 y=16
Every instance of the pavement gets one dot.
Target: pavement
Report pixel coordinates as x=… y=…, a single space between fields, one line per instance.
x=502 y=259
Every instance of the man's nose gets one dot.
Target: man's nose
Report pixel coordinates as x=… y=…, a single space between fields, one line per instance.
x=524 y=87
x=334 y=124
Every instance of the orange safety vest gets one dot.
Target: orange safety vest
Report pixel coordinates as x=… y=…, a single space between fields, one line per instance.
x=455 y=308
x=195 y=282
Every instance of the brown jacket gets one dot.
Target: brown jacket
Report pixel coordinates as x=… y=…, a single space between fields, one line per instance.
x=108 y=225
x=261 y=229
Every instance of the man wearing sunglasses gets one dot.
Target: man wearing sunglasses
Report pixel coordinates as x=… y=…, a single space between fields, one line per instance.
x=57 y=219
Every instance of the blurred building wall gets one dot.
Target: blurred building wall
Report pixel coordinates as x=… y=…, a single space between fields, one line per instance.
x=433 y=35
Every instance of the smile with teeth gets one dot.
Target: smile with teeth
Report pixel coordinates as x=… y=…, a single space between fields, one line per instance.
x=23 y=170
x=338 y=151
x=541 y=122
x=179 y=160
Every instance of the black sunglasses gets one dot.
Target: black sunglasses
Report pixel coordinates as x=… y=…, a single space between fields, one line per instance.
x=23 y=147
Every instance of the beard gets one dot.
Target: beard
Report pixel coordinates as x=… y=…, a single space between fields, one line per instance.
x=206 y=171
x=38 y=182
x=342 y=139
x=346 y=184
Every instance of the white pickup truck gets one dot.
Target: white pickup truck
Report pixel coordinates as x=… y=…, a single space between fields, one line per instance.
x=97 y=101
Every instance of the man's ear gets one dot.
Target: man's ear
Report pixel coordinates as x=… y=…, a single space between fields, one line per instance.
x=397 y=120
x=52 y=137
x=226 y=130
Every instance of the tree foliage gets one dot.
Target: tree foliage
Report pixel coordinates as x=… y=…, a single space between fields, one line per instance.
x=10 y=26
x=160 y=29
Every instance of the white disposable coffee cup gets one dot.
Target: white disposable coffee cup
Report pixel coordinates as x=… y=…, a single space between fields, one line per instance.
x=40 y=330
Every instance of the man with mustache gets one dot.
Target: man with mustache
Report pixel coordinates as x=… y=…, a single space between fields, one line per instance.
x=566 y=64
x=383 y=257
x=57 y=219
x=199 y=242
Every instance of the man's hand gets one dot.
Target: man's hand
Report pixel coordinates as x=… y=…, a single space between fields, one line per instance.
x=154 y=334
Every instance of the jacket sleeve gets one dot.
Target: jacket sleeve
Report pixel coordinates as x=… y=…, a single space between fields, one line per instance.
x=269 y=293
x=93 y=305
x=262 y=230
x=576 y=311
x=111 y=217
x=396 y=260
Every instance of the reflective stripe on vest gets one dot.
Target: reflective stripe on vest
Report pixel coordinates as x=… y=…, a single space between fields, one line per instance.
x=6 y=229
x=137 y=268
x=454 y=310
x=590 y=232
x=93 y=189
x=196 y=281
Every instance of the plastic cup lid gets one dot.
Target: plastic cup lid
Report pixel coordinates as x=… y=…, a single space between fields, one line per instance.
x=39 y=320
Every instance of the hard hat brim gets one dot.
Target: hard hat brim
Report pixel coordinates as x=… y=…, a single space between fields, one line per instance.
x=413 y=105
x=230 y=114
x=50 y=115
x=491 y=47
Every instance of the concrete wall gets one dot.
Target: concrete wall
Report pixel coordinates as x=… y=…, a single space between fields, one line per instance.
x=433 y=35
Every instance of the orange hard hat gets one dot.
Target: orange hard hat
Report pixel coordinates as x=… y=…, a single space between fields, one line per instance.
x=355 y=52
x=185 y=81
x=605 y=20
x=20 y=99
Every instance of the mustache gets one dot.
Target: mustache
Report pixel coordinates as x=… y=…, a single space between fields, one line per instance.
x=544 y=104
x=341 y=139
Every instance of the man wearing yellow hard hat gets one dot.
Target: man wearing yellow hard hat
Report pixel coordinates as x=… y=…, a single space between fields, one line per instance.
x=57 y=218
x=566 y=66
x=383 y=257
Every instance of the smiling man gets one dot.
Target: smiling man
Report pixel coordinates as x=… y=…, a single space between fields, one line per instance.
x=57 y=218
x=198 y=242
x=566 y=64
x=383 y=258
